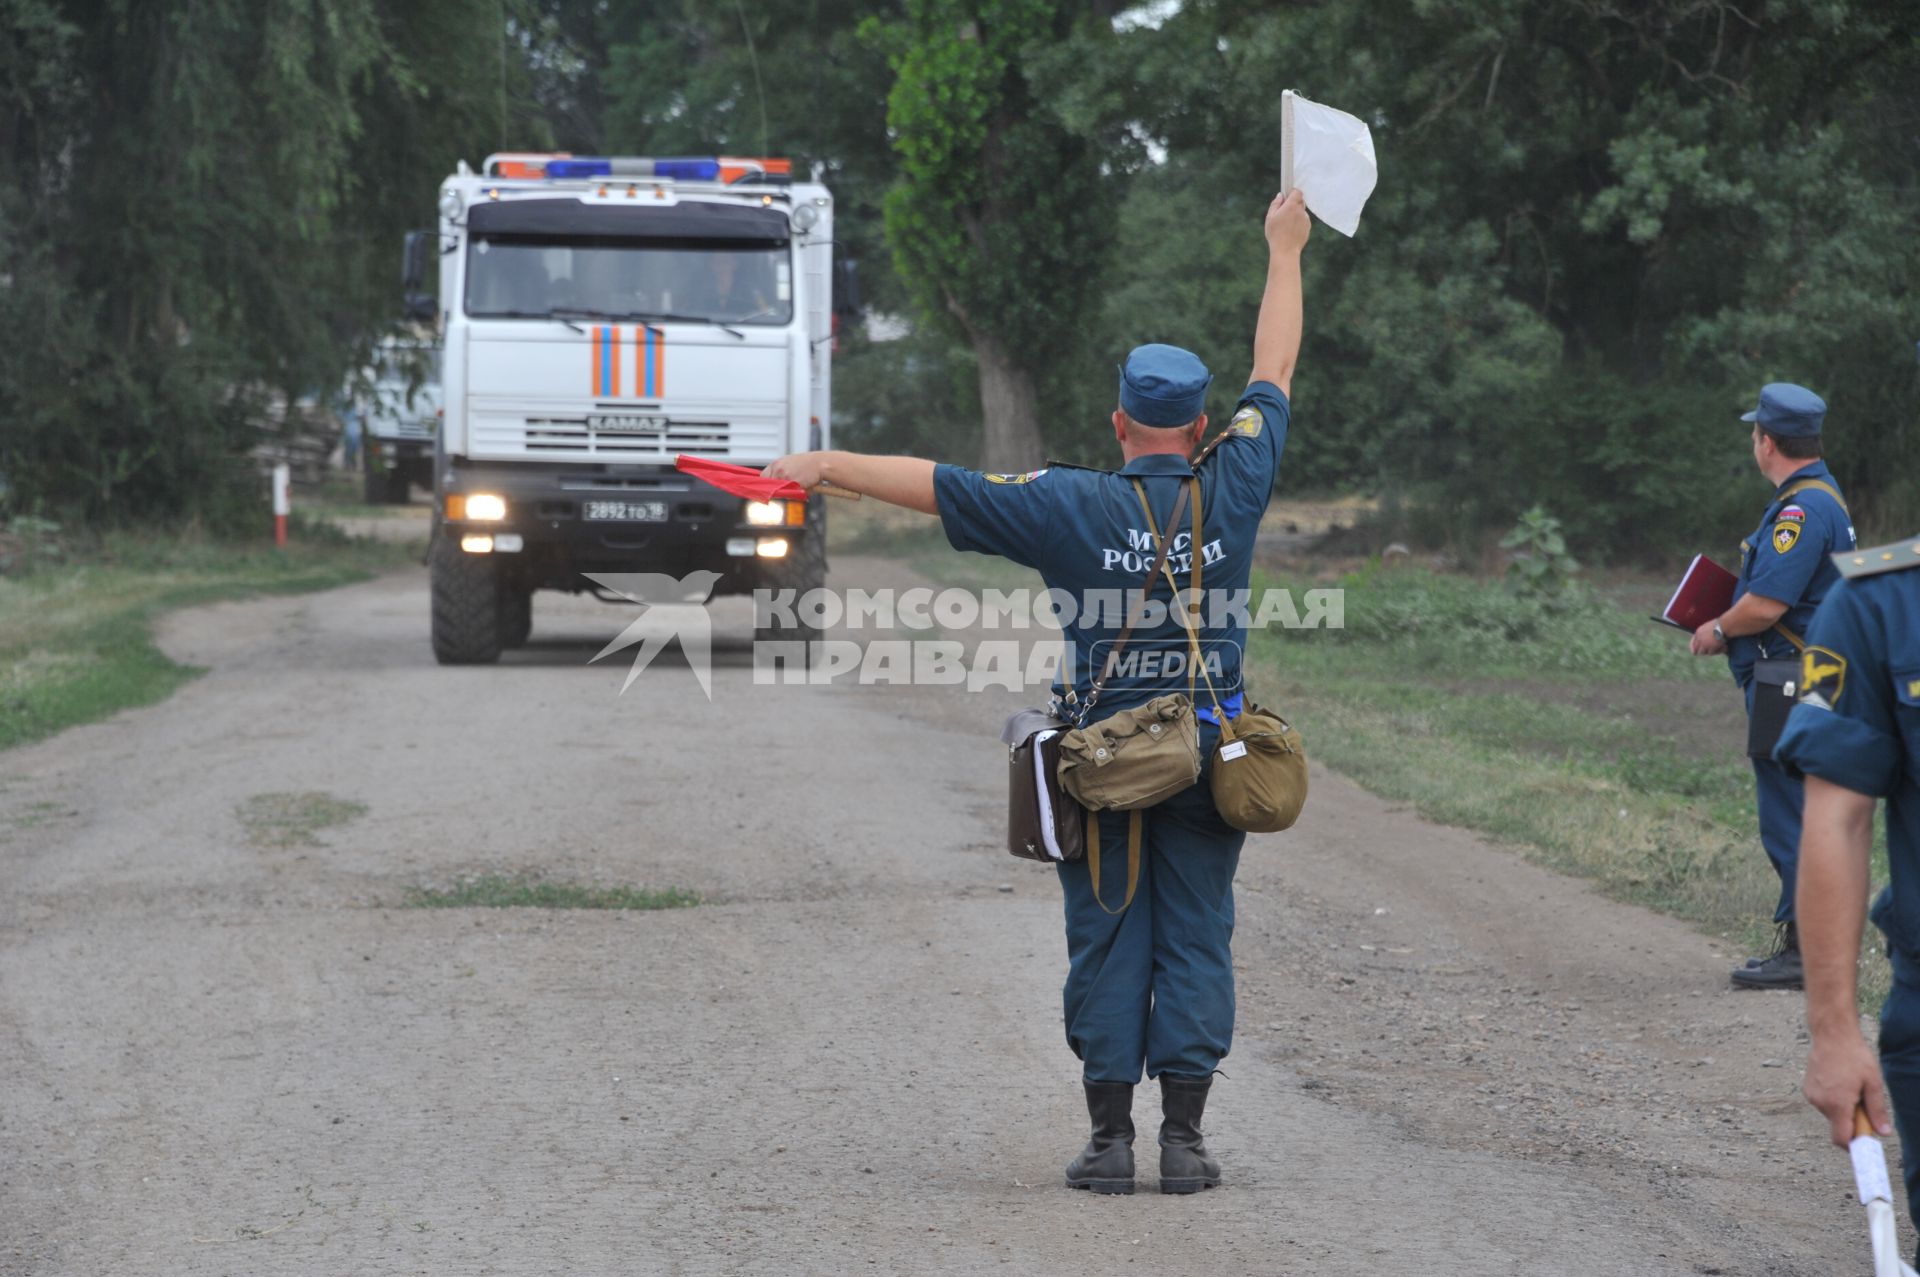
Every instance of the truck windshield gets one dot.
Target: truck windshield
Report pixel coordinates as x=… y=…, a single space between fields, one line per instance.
x=732 y=282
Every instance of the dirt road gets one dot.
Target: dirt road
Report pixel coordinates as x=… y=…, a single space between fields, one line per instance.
x=226 y=1056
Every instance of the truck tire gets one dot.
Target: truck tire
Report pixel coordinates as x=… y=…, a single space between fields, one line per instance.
x=804 y=568
x=373 y=479
x=516 y=616
x=398 y=490
x=466 y=605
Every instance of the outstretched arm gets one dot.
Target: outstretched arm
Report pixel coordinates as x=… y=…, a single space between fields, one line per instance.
x=1831 y=901
x=901 y=481
x=1276 y=337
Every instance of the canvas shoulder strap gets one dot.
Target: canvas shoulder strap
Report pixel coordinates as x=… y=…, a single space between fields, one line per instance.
x=1133 y=613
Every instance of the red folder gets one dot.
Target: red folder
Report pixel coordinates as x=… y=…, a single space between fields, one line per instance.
x=1705 y=592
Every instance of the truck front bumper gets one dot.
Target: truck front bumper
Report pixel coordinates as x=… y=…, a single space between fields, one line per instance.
x=546 y=539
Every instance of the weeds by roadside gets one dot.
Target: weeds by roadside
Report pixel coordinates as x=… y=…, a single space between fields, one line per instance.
x=292 y=820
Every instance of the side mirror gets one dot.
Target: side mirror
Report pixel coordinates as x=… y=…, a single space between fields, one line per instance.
x=421 y=307
x=846 y=288
x=413 y=260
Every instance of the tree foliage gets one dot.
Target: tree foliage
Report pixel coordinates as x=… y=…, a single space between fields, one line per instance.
x=1601 y=224
x=999 y=214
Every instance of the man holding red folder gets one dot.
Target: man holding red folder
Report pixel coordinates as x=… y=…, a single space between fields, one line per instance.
x=1785 y=570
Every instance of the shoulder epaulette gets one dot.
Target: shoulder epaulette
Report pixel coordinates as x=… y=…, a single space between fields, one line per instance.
x=1882 y=558
x=1070 y=465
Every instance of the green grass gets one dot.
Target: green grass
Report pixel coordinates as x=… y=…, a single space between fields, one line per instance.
x=75 y=635
x=503 y=891
x=292 y=820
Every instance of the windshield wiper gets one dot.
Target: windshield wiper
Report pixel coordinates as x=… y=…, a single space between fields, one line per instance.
x=562 y=315
x=670 y=317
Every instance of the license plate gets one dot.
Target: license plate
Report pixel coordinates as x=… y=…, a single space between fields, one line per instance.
x=624 y=511
x=627 y=423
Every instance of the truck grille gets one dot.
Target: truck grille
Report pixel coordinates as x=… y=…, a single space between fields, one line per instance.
x=563 y=437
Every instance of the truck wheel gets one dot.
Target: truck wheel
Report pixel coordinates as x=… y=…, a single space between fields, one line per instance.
x=466 y=605
x=804 y=568
x=373 y=478
x=398 y=491
x=516 y=616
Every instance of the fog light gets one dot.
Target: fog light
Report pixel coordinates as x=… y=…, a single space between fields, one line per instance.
x=740 y=547
x=771 y=547
x=481 y=544
x=507 y=542
x=766 y=514
x=486 y=507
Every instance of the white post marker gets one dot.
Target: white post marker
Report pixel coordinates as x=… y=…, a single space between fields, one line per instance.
x=1328 y=154
x=1876 y=1194
x=282 y=503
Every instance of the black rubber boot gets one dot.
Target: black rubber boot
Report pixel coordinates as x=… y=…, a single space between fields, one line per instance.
x=1781 y=970
x=1106 y=1164
x=1184 y=1164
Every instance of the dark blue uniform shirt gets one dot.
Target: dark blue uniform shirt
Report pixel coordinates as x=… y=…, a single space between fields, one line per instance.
x=1788 y=559
x=1084 y=531
x=1858 y=725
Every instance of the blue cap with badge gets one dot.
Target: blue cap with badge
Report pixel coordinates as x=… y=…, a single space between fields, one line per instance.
x=1788 y=410
x=1163 y=385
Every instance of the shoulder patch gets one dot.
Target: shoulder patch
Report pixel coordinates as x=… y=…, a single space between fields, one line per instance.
x=1884 y=558
x=1247 y=422
x=1823 y=673
x=1785 y=535
x=1797 y=513
x=1028 y=477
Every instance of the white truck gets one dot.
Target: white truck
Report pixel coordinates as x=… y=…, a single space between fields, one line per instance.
x=398 y=398
x=598 y=317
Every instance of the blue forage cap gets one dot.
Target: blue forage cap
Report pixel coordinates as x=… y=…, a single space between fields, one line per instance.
x=1163 y=385
x=1791 y=411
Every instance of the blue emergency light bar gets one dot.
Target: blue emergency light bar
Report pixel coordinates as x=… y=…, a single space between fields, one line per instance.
x=685 y=168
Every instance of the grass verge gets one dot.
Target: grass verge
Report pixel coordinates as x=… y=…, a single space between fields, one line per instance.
x=503 y=891
x=76 y=636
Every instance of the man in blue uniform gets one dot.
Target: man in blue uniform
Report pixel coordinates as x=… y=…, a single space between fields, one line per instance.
x=1855 y=736
x=1149 y=985
x=1784 y=573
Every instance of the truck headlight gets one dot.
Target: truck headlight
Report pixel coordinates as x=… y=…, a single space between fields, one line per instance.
x=479 y=507
x=773 y=514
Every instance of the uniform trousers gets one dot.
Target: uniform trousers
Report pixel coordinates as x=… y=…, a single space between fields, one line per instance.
x=1780 y=798
x=1152 y=986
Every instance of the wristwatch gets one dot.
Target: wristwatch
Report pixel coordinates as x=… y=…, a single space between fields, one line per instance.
x=1719 y=634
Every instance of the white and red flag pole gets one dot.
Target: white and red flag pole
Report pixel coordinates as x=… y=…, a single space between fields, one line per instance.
x=282 y=503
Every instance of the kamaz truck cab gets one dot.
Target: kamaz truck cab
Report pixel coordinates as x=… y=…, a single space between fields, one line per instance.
x=599 y=316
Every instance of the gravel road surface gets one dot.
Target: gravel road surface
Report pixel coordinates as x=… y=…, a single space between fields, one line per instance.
x=228 y=1054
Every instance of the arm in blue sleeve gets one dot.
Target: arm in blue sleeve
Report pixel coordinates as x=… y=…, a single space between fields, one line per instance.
x=1783 y=574
x=1843 y=730
x=1003 y=514
x=1257 y=435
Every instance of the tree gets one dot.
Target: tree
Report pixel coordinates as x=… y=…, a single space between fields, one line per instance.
x=1000 y=213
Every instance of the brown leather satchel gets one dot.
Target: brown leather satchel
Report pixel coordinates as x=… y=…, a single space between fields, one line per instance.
x=1043 y=820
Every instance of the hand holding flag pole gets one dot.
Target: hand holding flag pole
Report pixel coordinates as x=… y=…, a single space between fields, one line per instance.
x=1876 y=1194
x=744 y=481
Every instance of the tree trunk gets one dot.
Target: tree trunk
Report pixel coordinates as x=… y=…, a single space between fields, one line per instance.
x=1010 y=437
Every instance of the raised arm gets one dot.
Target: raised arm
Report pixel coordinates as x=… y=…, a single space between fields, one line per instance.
x=1276 y=337
x=901 y=481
